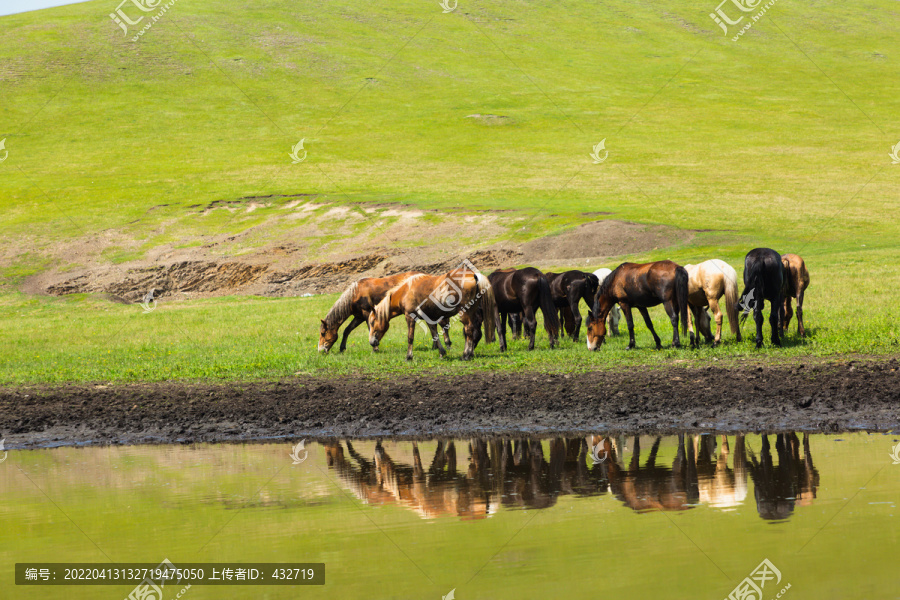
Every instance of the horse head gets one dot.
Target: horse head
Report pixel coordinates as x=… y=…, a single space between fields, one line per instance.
x=379 y=321
x=596 y=331
x=328 y=335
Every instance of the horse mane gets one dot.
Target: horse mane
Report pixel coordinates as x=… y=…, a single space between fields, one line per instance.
x=607 y=282
x=383 y=308
x=342 y=307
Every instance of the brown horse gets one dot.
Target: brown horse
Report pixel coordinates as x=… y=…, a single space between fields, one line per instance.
x=434 y=299
x=358 y=300
x=525 y=291
x=641 y=286
x=568 y=289
x=797 y=282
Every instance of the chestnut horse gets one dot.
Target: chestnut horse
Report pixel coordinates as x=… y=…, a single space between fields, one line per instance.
x=641 y=286
x=707 y=282
x=797 y=282
x=358 y=300
x=568 y=289
x=764 y=279
x=525 y=291
x=436 y=298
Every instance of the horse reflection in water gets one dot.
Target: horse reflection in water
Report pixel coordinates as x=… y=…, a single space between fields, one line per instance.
x=793 y=481
x=518 y=474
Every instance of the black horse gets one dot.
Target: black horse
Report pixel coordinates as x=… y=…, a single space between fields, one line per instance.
x=764 y=279
x=524 y=291
x=568 y=290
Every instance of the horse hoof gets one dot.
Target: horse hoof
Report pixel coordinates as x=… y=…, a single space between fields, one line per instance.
x=409 y=358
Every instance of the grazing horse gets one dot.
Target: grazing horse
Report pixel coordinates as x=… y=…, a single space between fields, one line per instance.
x=436 y=298
x=525 y=291
x=358 y=300
x=764 y=279
x=641 y=286
x=707 y=282
x=615 y=314
x=568 y=289
x=797 y=282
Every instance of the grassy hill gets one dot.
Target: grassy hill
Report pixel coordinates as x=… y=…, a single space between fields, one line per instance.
x=779 y=139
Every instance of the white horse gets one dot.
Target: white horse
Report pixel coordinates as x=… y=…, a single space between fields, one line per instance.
x=615 y=314
x=707 y=282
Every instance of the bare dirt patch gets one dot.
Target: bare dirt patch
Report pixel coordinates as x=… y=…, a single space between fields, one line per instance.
x=840 y=396
x=328 y=246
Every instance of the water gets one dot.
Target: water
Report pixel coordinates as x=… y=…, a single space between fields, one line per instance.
x=674 y=517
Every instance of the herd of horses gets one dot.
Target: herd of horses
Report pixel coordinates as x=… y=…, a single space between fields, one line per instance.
x=686 y=293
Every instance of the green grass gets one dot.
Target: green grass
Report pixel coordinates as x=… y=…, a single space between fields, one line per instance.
x=781 y=139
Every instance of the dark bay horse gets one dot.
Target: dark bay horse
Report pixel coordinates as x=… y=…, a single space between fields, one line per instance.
x=764 y=279
x=524 y=291
x=568 y=289
x=358 y=301
x=641 y=286
x=797 y=282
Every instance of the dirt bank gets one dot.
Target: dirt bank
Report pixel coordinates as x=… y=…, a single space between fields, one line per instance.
x=809 y=397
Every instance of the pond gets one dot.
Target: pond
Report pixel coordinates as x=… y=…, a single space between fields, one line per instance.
x=688 y=516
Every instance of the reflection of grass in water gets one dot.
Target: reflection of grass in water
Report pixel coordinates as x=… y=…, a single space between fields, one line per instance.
x=149 y=502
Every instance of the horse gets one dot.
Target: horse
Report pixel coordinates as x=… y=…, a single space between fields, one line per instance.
x=436 y=298
x=641 y=286
x=797 y=282
x=707 y=282
x=525 y=290
x=568 y=289
x=359 y=299
x=615 y=314
x=764 y=279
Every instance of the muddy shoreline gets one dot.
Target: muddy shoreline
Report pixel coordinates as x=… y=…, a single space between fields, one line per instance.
x=830 y=397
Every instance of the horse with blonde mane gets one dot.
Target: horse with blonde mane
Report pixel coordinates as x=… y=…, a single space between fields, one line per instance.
x=434 y=299
x=358 y=300
x=797 y=282
x=707 y=282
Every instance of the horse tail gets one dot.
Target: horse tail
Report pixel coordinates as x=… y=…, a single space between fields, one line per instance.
x=731 y=299
x=488 y=307
x=681 y=297
x=755 y=277
x=548 y=307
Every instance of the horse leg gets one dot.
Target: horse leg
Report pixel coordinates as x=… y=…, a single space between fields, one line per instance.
x=530 y=326
x=758 y=318
x=800 y=328
x=788 y=313
x=629 y=319
x=693 y=315
x=717 y=313
x=501 y=331
x=445 y=325
x=614 y=316
x=673 y=317
x=356 y=322
x=775 y=319
x=574 y=301
x=469 y=329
